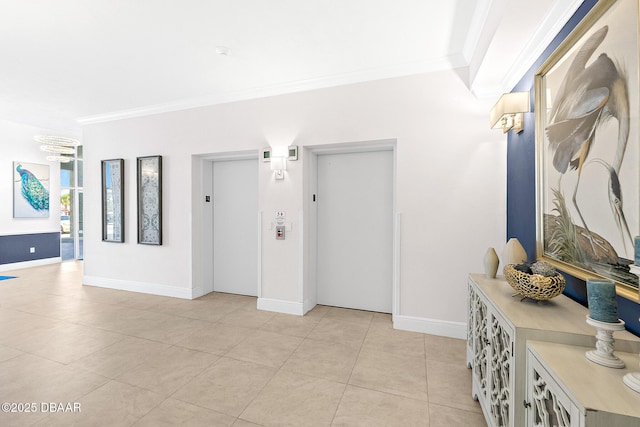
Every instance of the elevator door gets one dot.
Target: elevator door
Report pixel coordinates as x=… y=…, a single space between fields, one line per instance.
x=355 y=230
x=235 y=226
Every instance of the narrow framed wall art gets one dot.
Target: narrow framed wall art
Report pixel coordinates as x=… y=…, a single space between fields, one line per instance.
x=113 y=200
x=149 y=170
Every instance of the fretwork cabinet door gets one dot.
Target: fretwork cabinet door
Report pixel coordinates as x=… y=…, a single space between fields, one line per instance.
x=547 y=405
x=479 y=331
x=491 y=360
x=501 y=371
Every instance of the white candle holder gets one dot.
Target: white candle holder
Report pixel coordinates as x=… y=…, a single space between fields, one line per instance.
x=603 y=354
x=632 y=380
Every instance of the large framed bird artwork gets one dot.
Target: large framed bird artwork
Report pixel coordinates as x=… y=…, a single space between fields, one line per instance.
x=588 y=147
x=30 y=190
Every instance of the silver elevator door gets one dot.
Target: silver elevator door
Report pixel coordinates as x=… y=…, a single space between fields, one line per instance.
x=235 y=226
x=355 y=230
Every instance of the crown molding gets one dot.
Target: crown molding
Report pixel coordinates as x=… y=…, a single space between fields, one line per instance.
x=417 y=67
x=558 y=15
x=476 y=29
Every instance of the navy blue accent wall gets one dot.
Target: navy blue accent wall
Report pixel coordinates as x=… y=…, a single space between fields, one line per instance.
x=521 y=181
x=15 y=248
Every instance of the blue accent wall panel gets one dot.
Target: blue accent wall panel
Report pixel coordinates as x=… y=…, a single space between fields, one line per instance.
x=15 y=248
x=521 y=180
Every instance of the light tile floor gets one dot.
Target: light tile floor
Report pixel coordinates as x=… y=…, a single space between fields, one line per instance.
x=145 y=360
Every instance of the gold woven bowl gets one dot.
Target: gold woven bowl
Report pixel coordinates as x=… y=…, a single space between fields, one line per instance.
x=534 y=286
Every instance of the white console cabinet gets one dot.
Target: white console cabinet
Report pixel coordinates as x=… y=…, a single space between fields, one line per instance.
x=499 y=326
x=565 y=389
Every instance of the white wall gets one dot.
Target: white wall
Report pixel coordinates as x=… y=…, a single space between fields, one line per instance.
x=17 y=144
x=449 y=176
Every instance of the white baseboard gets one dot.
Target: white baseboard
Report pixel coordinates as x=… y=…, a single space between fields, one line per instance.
x=431 y=326
x=145 y=288
x=28 y=264
x=281 y=306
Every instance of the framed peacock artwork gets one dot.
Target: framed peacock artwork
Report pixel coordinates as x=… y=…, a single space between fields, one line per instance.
x=30 y=190
x=588 y=147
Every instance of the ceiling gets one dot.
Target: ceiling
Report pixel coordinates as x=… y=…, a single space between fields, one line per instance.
x=73 y=62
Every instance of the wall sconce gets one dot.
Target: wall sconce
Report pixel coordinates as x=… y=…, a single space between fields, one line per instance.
x=278 y=166
x=508 y=113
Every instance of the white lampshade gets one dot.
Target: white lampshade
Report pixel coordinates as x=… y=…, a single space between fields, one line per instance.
x=278 y=164
x=508 y=104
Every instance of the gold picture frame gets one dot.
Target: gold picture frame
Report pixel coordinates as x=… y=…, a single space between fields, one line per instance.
x=587 y=148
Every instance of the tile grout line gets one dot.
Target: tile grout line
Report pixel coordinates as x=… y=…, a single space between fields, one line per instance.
x=244 y=361
x=351 y=373
x=270 y=379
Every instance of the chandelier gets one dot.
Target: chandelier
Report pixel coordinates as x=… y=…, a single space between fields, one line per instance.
x=59 y=147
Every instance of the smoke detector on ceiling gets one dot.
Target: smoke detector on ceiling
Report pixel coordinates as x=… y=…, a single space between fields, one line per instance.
x=223 y=50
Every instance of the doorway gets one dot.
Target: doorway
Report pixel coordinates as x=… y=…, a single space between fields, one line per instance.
x=354 y=217
x=235 y=234
x=72 y=207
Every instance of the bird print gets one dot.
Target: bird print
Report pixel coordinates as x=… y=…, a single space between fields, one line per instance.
x=615 y=200
x=32 y=190
x=589 y=96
